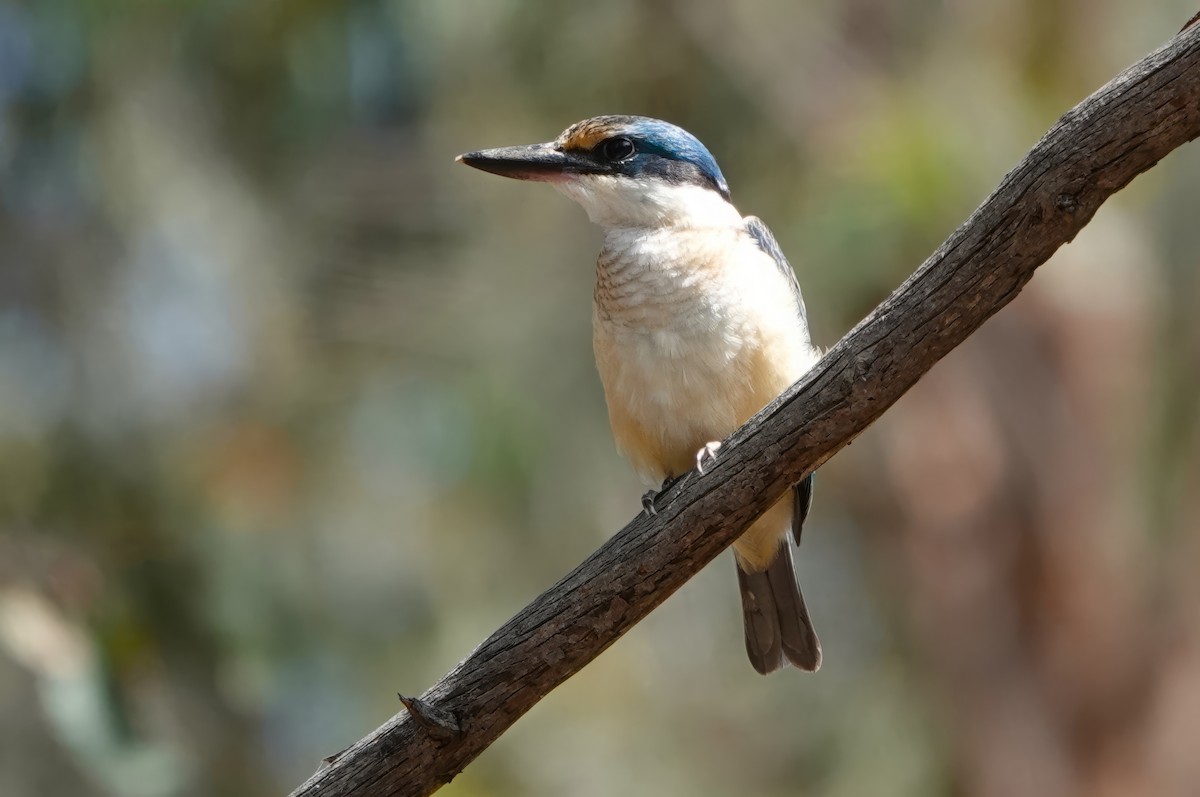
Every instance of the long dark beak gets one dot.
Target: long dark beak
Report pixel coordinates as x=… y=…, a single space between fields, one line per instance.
x=532 y=162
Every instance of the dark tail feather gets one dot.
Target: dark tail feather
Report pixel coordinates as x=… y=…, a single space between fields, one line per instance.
x=777 y=622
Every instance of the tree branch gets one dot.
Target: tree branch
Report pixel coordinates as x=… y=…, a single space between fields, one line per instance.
x=1096 y=149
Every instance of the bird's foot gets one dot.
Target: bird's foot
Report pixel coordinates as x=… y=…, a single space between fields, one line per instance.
x=707 y=455
x=651 y=495
x=648 y=502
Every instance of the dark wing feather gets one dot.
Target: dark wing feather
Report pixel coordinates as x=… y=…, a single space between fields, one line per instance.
x=777 y=623
x=802 y=502
x=766 y=242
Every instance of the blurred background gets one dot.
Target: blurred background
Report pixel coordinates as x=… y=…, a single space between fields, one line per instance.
x=294 y=411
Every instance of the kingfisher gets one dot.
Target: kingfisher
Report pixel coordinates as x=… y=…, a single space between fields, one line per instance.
x=697 y=323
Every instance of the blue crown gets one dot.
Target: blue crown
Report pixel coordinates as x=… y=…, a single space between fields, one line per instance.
x=662 y=149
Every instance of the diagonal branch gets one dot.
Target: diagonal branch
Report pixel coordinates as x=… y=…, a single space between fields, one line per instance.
x=1096 y=149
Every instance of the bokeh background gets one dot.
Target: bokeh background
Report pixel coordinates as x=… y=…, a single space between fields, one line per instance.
x=294 y=411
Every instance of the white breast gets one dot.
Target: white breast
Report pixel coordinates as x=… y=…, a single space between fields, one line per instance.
x=694 y=331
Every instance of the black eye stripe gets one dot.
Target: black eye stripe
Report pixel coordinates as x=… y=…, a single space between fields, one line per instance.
x=616 y=156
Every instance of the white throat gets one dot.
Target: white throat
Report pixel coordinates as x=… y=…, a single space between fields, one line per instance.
x=646 y=202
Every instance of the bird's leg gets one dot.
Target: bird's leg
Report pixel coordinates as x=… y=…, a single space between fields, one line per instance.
x=707 y=455
x=650 y=495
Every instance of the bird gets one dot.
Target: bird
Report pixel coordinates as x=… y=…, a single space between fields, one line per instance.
x=698 y=322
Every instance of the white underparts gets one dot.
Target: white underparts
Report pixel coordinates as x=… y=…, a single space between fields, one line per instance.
x=695 y=328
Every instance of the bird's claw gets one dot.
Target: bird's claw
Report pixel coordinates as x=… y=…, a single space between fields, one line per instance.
x=651 y=496
x=648 y=502
x=707 y=455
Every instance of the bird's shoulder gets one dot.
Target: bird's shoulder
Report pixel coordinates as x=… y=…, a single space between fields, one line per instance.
x=761 y=234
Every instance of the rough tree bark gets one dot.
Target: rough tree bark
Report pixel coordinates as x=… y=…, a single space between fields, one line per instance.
x=1096 y=149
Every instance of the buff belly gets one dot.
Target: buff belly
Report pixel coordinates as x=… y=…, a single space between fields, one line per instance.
x=669 y=393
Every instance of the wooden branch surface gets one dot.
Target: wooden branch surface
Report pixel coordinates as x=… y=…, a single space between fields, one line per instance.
x=1096 y=149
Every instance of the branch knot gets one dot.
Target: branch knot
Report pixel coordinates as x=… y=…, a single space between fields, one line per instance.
x=1067 y=203
x=441 y=725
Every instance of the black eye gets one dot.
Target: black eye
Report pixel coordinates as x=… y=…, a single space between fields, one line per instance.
x=618 y=149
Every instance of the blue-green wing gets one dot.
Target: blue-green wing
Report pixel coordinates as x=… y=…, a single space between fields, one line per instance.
x=766 y=242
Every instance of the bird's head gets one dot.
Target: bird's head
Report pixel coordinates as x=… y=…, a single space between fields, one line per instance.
x=626 y=171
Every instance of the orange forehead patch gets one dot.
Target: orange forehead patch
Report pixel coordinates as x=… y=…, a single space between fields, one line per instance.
x=587 y=134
